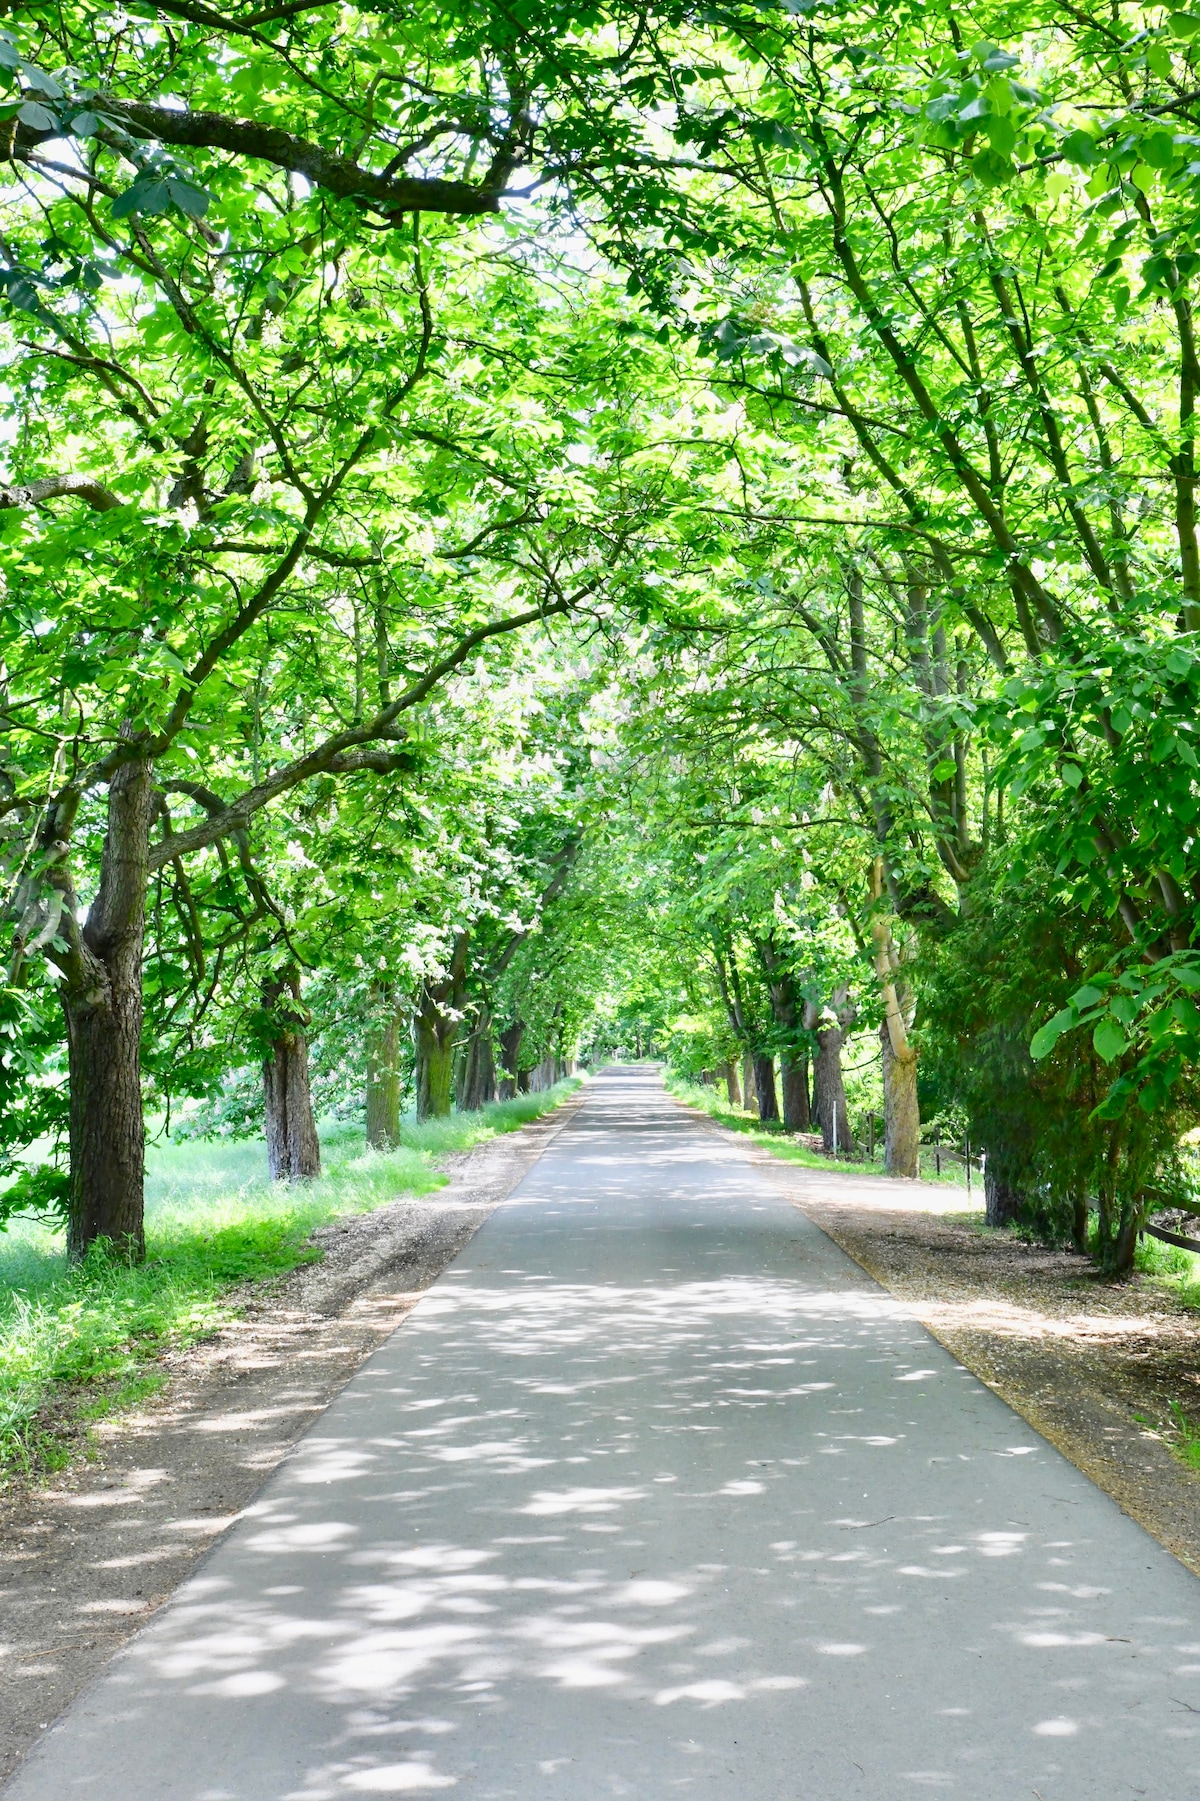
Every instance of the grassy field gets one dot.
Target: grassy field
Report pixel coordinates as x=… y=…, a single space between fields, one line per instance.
x=80 y=1343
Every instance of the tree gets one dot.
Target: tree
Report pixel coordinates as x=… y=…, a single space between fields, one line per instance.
x=274 y=608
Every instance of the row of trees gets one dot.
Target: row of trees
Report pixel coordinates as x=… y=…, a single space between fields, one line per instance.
x=700 y=492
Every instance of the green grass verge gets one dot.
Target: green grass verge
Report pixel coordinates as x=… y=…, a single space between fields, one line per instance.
x=780 y=1144
x=77 y=1344
x=1178 y=1432
x=1171 y=1267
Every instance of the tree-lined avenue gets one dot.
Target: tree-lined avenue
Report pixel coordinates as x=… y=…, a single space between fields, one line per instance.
x=656 y=1494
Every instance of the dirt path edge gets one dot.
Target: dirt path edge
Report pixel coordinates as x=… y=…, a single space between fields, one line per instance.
x=1088 y=1418
x=1079 y=1368
x=88 y=1556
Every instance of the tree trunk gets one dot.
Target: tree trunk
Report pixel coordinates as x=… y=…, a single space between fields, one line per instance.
x=829 y=1093
x=479 y=1066
x=764 y=1088
x=1125 y=1243
x=747 y=1081
x=435 y=1072
x=901 y=1112
x=787 y=1006
x=102 y=1002
x=731 y=1083
x=1002 y=1203
x=439 y=1015
x=383 y=1081
x=793 y=1079
x=293 y=1149
x=1079 y=1223
x=510 y=1054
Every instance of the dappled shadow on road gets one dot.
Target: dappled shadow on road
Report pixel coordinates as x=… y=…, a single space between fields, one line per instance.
x=654 y=1496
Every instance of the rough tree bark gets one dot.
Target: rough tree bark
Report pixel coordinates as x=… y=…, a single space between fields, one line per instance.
x=832 y=1027
x=793 y=1080
x=748 y=1095
x=901 y=1111
x=479 y=1065
x=764 y=1088
x=293 y=1149
x=787 y=1006
x=102 y=1001
x=729 y=1070
x=383 y=1077
x=438 y=1017
x=510 y=1058
x=1002 y=1202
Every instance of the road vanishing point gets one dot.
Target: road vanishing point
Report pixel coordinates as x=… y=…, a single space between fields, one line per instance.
x=655 y=1494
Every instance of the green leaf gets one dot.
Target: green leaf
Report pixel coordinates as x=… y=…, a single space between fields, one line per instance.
x=1158 y=149
x=189 y=199
x=1143 y=177
x=1187 y=1013
x=37 y=117
x=1072 y=775
x=21 y=291
x=1108 y=1040
x=1184 y=25
x=41 y=82
x=1114 y=1103
x=1086 y=996
x=1044 y=1041
x=1002 y=134
x=1078 y=147
x=992 y=169
x=143 y=197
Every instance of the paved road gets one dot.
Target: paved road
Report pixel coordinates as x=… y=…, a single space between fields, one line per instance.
x=655 y=1495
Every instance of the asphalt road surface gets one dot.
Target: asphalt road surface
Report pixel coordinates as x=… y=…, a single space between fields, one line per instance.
x=657 y=1495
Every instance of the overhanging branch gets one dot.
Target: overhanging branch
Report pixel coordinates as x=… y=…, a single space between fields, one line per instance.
x=83 y=487
x=338 y=175
x=346 y=753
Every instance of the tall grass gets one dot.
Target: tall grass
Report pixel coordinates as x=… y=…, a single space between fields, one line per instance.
x=76 y=1343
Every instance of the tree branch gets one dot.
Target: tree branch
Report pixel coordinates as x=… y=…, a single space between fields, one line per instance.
x=86 y=487
x=341 y=754
x=339 y=175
